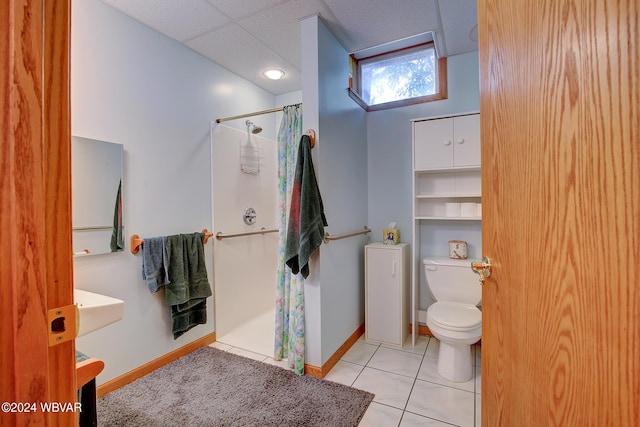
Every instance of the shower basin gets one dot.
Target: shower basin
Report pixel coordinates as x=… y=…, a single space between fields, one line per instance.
x=96 y=311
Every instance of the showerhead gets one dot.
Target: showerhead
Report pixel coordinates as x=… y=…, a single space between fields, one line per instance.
x=252 y=128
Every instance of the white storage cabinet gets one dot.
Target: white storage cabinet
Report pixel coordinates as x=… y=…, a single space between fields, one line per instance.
x=387 y=293
x=446 y=163
x=447 y=143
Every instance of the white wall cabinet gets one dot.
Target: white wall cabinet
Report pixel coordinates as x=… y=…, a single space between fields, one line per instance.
x=447 y=142
x=387 y=293
x=446 y=160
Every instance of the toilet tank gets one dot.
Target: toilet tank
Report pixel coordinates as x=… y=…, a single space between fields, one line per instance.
x=452 y=280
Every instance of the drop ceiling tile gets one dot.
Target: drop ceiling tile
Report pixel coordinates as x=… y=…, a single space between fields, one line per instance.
x=238 y=51
x=279 y=27
x=458 y=18
x=179 y=19
x=247 y=36
x=373 y=22
x=238 y=9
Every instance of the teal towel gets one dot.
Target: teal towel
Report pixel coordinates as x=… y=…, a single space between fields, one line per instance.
x=188 y=285
x=154 y=263
x=305 y=230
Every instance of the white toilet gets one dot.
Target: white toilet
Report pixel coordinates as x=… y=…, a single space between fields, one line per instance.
x=454 y=318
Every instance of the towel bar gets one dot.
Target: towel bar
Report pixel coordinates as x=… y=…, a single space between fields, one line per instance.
x=328 y=237
x=220 y=235
x=137 y=241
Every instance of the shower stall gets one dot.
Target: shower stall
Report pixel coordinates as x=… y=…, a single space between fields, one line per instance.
x=245 y=217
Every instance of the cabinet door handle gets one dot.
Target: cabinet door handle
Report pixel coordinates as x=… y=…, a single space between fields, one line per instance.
x=460 y=140
x=393 y=268
x=447 y=142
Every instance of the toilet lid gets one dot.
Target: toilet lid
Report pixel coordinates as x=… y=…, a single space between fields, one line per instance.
x=455 y=315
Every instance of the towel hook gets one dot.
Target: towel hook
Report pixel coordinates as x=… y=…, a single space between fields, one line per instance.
x=312 y=137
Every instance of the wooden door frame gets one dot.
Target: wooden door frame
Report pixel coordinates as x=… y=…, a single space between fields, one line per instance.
x=36 y=264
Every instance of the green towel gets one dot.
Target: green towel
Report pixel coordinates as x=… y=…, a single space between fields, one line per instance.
x=117 y=241
x=188 y=285
x=305 y=230
x=80 y=356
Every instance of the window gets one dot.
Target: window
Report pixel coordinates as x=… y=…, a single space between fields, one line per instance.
x=402 y=77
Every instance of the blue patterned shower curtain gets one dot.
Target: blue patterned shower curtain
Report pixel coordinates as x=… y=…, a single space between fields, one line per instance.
x=289 y=337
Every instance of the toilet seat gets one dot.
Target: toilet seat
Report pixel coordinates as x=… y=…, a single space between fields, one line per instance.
x=455 y=316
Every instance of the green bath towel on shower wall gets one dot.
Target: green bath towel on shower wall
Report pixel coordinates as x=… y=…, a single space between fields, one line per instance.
x=305 y=230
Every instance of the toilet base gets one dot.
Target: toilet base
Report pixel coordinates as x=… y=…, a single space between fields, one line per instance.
x=454 y=362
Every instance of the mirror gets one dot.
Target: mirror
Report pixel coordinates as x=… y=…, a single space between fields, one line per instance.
x=96 y=194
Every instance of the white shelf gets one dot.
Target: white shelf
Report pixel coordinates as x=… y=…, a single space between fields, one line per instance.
x=451 y=218
x=448 y=196
x=449 y=169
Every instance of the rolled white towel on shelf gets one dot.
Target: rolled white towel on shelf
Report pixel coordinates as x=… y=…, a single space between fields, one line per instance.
x=452 y=209
x=468 y=210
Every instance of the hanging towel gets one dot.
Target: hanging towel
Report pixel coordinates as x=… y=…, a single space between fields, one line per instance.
x=305 y=230
x=154 y=263
x=188 y=285
x=117 y=240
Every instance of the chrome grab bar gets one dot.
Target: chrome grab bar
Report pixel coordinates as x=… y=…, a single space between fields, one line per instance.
x=220 y=235
x=328 y=237
x=101 y=227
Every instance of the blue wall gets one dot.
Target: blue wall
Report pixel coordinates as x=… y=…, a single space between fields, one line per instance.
x=389 y=152
x=389 y=144
x=136 y=87
x=362 y=159
x=343 y=179
x=335 y=291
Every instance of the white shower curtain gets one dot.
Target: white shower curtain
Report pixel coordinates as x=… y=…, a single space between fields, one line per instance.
x=289 y=333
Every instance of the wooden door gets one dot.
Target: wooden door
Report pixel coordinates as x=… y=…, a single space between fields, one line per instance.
x=35 y=254
x=560 y=112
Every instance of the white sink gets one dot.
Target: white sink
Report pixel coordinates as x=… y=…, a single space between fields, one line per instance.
x=96 y=311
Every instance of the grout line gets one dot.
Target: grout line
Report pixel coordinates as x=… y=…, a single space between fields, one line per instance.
x=404 y=409
x=366 y=364
x=430 y=418
x=415 y=378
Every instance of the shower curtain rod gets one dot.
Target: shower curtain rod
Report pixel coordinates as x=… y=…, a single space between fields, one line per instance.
x=257 y=113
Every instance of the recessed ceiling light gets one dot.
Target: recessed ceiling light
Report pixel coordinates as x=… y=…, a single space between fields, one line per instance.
x=273 y=74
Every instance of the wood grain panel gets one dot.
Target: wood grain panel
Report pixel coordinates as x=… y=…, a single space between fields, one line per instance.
x=31 y=270
x=57 y=200
x=23 y=359
x=561 y=193
x=8 y=268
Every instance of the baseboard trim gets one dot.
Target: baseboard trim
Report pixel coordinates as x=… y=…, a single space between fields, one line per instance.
x=320 y=372
x=311 y=370
x=154 y=364
x=422 y=330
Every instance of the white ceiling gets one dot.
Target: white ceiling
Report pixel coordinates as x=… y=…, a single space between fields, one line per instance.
x=249 y=36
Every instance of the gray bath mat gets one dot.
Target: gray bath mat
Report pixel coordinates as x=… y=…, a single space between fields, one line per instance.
x=211 y=387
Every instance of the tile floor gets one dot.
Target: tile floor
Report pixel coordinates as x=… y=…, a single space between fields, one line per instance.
x=408 y=389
